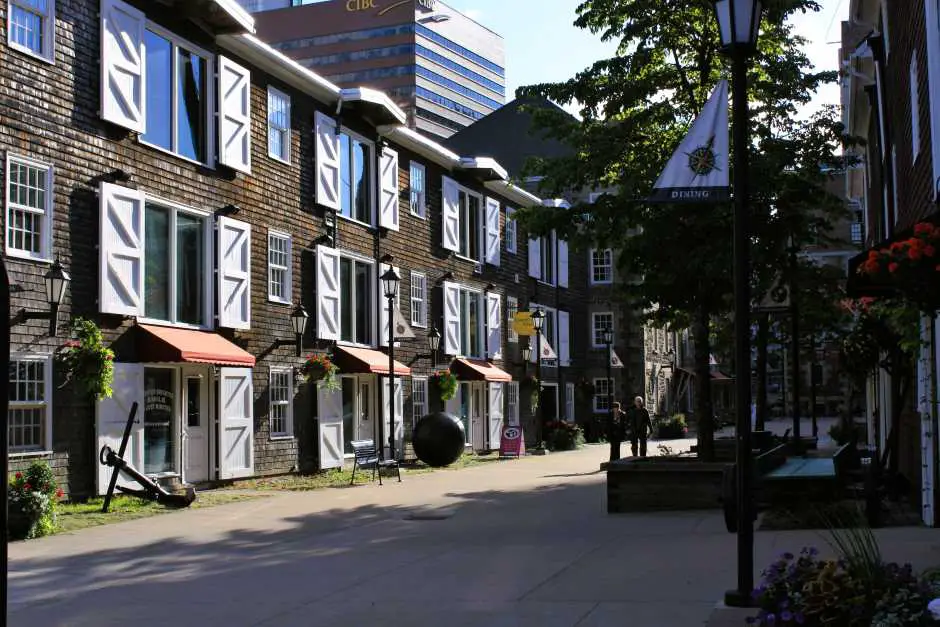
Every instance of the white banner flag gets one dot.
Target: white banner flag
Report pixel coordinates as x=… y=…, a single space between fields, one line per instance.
x=547 y=351
x=403 y=330
x=615 y=360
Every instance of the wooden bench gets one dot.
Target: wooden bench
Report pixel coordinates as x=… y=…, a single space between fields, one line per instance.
x=367 y=457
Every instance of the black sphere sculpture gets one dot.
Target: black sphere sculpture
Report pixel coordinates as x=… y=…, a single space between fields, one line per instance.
x=439 y=439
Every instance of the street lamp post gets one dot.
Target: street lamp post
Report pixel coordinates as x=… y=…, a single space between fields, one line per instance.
x=795 y=345
x=390 y=287
x=614 y=437
x=738 y=25
x=538 y=321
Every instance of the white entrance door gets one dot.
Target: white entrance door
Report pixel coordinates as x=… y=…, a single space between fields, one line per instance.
x=112 y=414
x=478 y=415
x=330 y=436
x=368 y=425
x=236 y=424
x=495 y=431
x=195 y=419
x=397 y=409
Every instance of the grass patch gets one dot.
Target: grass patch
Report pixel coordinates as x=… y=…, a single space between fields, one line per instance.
x=77 y=516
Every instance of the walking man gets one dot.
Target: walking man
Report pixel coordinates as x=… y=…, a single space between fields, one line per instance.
x=640 y=426
x=615 y=431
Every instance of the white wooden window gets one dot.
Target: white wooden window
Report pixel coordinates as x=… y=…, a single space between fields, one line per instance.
x=29 y=208
x=512 y=403
x=417 y=189
x=512 y=308
x=569 y=402
x=510 y=231
x=389 y=196
x=547 y=267
x=279 y=267
x=493 y=241
x=30 y=410
x=278 y=125
x=464 y=314
x=419 y=399
x=356 y=176
x=281 y=392
x=494 y=325
x=602 y=388
x=327 y=155
x=419 y=299
x=31 y=27
x=602 y=270
x=357 y=298
x=915 y=108
x=600 y=322
x=472 y=235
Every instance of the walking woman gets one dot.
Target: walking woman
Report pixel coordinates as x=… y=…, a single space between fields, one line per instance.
x=639 y=425
x=615 y=431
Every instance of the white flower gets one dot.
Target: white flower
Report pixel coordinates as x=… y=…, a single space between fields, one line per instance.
x=934 y=608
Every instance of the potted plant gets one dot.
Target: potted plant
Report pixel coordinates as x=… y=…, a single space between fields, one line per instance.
x=910 y=267
x=446 y=383
x=31 y=497
x=320 y=369
x=87 y=361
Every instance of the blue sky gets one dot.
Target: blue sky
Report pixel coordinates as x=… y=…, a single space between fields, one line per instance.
x=543 y=46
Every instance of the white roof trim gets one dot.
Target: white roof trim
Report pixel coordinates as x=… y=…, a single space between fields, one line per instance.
x=372 y=96
x=238 y=13
x=422 y=145
x=513 y=193
x=556 y=202
x=484 y=163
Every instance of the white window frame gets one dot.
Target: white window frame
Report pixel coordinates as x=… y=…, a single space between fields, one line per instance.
x=373 y=289
x=208 y=245
x=45 y=253
x=569 y=402
x=418 y=383
x=512 y=308
x=511 y=231
x=512 y=403
x=47 y=53
x=288 y=287
x=422 y=200
x=466 y=292
x=599 y=393
x=595 y=330
x=284 y=131
x=481 y=226
x=288 y=432
x=915 y=108
x=595 y=266
x=46 y=446
x=544 y=241
x=372 y=178
x=211 y=72
x=419 y=303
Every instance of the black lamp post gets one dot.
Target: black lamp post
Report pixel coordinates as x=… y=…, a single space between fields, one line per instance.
x=434 y=344
x=56 y=282
x=738 y=25
x=795 y=345
x=612 y=436
x=390 y=288
x=538 y=321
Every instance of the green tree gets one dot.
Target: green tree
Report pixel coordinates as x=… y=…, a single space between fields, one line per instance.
x=634 y=110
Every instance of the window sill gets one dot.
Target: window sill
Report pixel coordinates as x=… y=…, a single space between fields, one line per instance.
x=25 y=256
x=419 y=216
x=25 y=454
x=179 y=325
x=468 y=259
x=602 y=282
x=282 y=438
x=354 y=220
x=541 y=282
x=169 y=152
x=279 y=301
x=280 y=160
x=45 y=58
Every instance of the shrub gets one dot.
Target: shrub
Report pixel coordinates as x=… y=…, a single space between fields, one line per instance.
x=563 y=436
x=32 y=502
x=446 y=383
x=670 y=428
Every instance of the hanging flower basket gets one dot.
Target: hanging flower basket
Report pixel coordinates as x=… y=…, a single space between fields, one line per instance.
x=87 y=362
x=531 y=383
x=911 y=267
x=320 y=369
x=446 y=383
x=584 y=390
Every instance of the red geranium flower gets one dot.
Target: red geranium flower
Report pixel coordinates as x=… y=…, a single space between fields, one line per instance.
x=914 y=253
x=923 y=229
x=27 y=487
x=59 y=493
x=19 y=475
x=892 y=267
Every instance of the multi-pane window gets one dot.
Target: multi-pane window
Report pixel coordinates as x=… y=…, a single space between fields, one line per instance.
x=471 y=317
x=32 y=26
x=281 y=391
x=28 y=415
x=547 y=259
x=175 y=264
x=602 y=266
x=600 y=322
x=357 y=294
x=471 y=226
x=419 y=399
x=29 y=208
x=418 y=190
x=602 y=390
x=510 y=231
x=178 y=94
x=355 y=178
x=279 y=267
x=512 y=403
x=512 y=308
x=278 y=125
x=419 y=299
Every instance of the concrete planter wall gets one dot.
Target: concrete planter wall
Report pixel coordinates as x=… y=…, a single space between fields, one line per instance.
x=663 y=484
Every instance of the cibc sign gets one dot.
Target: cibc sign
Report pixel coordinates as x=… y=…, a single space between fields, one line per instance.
x=354 y=6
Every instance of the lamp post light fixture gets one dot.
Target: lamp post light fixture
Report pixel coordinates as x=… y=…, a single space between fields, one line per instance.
x=390 y=281
x=298 y=324
x=538 y=322
x=738 y=25
x=434 y=344
x=611 y=435
x=56 y=281
x=526 y=353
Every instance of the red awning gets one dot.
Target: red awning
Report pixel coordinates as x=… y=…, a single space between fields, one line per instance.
x=171 y=344
x=362 y=360
x=473 y=370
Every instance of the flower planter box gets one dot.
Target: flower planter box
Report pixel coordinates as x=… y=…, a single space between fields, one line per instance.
x=654 y=484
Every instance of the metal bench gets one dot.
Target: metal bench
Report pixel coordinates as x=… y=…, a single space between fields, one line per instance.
x=367 y=457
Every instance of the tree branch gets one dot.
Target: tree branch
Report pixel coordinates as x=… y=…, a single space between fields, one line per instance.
x=683 y=77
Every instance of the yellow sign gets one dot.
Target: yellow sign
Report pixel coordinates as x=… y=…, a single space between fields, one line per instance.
x=364 y=5
x=360 y=5
x=522 y=323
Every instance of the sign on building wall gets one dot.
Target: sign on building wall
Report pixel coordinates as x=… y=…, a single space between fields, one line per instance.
x=384 y=6
x=522 y=323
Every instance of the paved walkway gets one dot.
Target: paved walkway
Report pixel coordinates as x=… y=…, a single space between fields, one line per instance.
x=507 y=544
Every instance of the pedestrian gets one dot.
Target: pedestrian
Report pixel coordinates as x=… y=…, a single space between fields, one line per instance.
x=615 y=431
x=639 y=426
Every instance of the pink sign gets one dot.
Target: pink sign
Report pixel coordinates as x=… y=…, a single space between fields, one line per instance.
x=512 y=443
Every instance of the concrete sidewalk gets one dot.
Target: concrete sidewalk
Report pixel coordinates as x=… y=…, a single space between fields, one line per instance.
x=513 y=543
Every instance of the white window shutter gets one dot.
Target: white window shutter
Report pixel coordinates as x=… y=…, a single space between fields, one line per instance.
x=383 y=310
x=398 y=410
x=389 y=204
x=562 y=263
x=452 y=324
x=236 y=423
x=494 y=326
x=450 y=214
x=328 y=161
x=493 y=242
x=234 y=259
x=564 y=338
x=121 y=250
x=123 y=80
x=234 y=115
x=328 y=293
x=330 y=427
x=535 y=258
x=495 y=415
